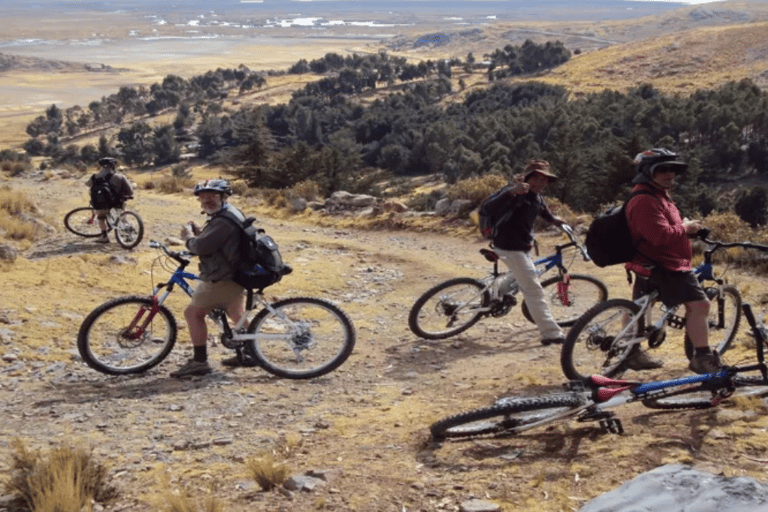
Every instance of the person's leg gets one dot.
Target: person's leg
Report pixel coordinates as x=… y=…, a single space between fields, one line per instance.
x=101 y=218
x=696 y=322
x=521 y=266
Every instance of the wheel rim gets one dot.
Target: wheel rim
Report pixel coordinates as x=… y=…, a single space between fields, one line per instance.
x=450 y=310
x=598 y=349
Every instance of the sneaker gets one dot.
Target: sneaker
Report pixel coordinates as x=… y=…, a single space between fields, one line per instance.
x=236 y=361
x=553 y=341
x=102 y=239
x=642 y=361
x=705 y=363
x=192 y=368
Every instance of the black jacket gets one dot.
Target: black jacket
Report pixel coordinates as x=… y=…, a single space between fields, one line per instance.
x=516 y=233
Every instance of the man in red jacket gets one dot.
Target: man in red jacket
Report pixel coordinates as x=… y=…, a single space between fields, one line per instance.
x=661 y=238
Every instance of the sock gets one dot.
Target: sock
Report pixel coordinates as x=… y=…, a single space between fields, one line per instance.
x=700 y=351
x=200 y=354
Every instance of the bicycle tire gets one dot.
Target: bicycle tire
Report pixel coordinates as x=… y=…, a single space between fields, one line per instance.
x=700 y=397
x=580 y=298
x=83 y=222
x=129 y=229
x=436 y=320
x=721 y=338
x=104 y=346
x=515 y=415
x=318 y=339
x=590 y=346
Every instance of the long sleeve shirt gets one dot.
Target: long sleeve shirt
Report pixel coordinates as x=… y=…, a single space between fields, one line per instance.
x=516 y=233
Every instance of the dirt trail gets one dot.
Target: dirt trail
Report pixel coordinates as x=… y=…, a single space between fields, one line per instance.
x=364 y=425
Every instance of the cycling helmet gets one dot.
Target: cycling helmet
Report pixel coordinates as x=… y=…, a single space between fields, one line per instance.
x=108 y=161
x=217 y=185
x=650 y=161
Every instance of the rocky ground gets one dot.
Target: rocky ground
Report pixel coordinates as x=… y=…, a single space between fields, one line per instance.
x=363 y=429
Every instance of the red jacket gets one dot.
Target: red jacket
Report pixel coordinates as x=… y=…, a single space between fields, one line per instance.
x=657 y=230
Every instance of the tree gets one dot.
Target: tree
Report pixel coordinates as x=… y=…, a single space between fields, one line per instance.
x=752 y=206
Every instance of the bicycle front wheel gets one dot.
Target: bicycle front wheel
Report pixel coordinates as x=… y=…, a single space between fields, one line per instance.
x=448 y=309
x=723 y=321
x=601 y=339
x=129 y=230
x=510 y=415
x=83 y=222
x=126 y=335
x=303 y=338
x=569 y=297
x=702 y=397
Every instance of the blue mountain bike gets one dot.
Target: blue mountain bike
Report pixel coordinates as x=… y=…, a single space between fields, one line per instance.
x=294 y=338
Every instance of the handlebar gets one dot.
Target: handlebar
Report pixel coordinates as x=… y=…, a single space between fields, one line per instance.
x=180 y=256
x=704 y=233
x=568 y=230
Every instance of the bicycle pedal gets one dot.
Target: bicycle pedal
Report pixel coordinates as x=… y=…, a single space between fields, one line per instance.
x=675 y=321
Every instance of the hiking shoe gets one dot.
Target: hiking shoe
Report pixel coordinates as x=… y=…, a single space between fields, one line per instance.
x=192 y=368
x=102 y=239
x=705 y=363
x=553 y=341
x=642 y=361
x=236 y=361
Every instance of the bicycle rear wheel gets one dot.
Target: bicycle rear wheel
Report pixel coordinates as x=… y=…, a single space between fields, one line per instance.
x=448 y=309
x=129 y=230
x=83 y=222
x=304 y=338
x=593 y=345
x=126 y=335
x=567 y=302
x=510 y=415
x=702 y=396
x=723 y=321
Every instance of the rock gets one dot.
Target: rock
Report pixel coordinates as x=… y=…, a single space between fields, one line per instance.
x=298 y=204
x=478 y=506
x=442 y=206
x=304 y=483
x=680 y=488
x=8 y=253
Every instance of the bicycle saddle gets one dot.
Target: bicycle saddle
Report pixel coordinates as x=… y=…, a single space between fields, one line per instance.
x=490 y=255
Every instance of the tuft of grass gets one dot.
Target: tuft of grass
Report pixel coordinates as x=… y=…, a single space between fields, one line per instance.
x=63 y=480
x=267 y=471
x=16 y=210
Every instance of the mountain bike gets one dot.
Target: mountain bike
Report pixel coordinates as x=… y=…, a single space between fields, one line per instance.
x=294 y=338
x=455 y=305
x=127 y=225
x=605 y=336
x=591 y=398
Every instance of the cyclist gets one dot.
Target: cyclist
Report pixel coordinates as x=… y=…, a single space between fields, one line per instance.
x=109 y=189
x=514 y=239
x=664 y=254
x=217 y=245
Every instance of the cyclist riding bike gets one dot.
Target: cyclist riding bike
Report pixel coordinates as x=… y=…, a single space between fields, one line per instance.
x=664 y=254
x=109 y=189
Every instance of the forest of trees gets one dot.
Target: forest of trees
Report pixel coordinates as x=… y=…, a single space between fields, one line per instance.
x=323 y=134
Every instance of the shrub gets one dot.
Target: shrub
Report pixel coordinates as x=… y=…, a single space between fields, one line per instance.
x=308 y=190
x=16 y=214
x=266 y=471
x=476 y=189
x=63 y=480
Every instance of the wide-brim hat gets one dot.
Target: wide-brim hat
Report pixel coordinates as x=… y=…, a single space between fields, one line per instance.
x=542 y=167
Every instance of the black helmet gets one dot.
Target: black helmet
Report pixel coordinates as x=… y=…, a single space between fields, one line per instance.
x=650 y=161
x=217 y=185
x=108 y=161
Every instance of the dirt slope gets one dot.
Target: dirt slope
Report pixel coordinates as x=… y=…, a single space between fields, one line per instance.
x=364 y=425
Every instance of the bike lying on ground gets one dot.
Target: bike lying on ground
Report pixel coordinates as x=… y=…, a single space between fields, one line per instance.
x=590 y=399
x=609 y=333
x=127 y=225
x=457 y=304
x=295 y=338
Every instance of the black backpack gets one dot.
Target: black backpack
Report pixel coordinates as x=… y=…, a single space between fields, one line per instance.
x=494 y=210
x=103 y=196
x=608 y=240
x=261 y=264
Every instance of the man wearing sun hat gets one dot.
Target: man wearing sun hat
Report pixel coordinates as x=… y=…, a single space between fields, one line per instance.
x=514 y=239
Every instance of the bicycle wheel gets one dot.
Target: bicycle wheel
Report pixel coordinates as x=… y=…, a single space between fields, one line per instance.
x=701 y=396
x=723 y=321
x=129 y=230
x=593 y=345
x=449 y=308
x=82 y=221
x=304 y=338
x=567 y=302
x=511 y=415
x=124 y=336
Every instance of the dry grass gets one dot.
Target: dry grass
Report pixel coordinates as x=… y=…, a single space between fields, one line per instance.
x=63 y=480
x=266 y=471
x=18 y=210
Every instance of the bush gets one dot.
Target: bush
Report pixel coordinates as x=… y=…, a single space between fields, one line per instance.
x=64 y=480
x=308 y=190
x=476 y=189
x=16 y=214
